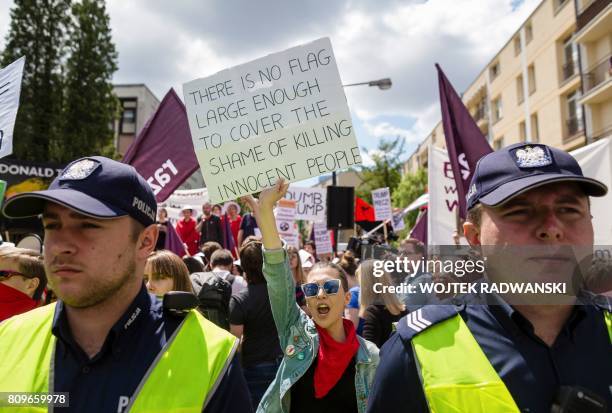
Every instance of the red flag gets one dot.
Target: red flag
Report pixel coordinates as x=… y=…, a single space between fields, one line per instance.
x=363 y=210
x=163 y=151
x=465 y=142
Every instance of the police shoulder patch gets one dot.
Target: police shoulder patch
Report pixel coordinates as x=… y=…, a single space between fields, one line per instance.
x=80 y=169
x=421 y=319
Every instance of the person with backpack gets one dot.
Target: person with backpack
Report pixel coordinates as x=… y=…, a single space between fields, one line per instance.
x=215 y=288
x=251 y=321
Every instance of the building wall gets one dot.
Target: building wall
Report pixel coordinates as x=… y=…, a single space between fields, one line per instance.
x=533 y=80
x=146 y=103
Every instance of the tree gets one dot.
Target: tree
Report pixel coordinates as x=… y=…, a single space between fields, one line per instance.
x=90 y=105
x=409 y=189
x=386 y=171
x=38 y=30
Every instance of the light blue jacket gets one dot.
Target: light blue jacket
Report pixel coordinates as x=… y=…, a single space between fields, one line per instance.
x=300 y=341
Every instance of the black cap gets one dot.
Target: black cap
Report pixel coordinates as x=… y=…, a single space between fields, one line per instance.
x=508 y=172
x=94 y=186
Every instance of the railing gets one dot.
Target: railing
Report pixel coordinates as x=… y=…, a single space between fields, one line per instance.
x=598 y=74
x=481 y=113
x=589 y=11
x=574 y=125
x=569 y=69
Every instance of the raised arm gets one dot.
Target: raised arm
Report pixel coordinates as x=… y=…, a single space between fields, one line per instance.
x=281 y=286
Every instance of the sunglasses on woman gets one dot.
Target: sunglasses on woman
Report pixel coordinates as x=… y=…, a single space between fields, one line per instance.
x=6 y=274
x=330 y=287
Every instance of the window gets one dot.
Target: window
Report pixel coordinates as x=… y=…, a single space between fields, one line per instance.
x=127 y=123
x=570 y=57
x=517 y=45
x=528 y=33
x=496 y=105
x=494 y=70
x=535 y=134
x=498 y=143
x=520 y=95
x=531 y=78
x=523 y=131
x=574 y=114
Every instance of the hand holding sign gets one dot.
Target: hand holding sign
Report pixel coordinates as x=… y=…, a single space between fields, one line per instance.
x=282 y=116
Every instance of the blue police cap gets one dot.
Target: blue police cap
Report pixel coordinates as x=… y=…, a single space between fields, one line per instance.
x=94 y=186
x=517 y=168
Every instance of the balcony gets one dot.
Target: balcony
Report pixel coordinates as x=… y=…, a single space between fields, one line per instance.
x=594 y=20
x=597 y=82
x=569 y=70
x=573 y=127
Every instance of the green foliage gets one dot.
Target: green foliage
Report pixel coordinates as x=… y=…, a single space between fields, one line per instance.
x=67 y=105
x=409 y=189
x=386 y=171
x=38 y=30
x=90 y=103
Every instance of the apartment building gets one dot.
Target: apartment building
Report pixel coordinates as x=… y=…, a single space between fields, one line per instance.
x=594 y=39
x=138 y=104
x=532 y=89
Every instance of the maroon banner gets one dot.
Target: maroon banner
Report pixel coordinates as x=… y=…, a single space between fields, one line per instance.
x=163 y=151
x=419 y=231
x=464 y=141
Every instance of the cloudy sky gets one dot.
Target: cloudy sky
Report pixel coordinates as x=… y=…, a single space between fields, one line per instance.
x=164 y=44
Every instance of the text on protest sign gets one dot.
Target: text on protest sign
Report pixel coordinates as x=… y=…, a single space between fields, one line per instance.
x=285 y=222
x=310 y=202
x=10 y=88
x=322 y=239
x=280 y=116
x=381 y=199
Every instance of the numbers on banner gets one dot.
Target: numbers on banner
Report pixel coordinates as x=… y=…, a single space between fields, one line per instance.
x=160 y=178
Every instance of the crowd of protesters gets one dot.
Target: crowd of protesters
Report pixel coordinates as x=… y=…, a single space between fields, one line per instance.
x=309 y=326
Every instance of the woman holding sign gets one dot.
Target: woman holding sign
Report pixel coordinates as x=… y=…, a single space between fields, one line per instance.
x=328 y=367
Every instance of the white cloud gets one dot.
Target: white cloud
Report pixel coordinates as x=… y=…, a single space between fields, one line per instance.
x=165 y=44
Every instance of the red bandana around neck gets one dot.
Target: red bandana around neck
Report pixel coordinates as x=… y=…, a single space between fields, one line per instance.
x=333 y=358
x=13 y=302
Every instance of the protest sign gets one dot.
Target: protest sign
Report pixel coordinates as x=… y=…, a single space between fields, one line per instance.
x=192 y=197
x=10 y=88
x=382 y=204
x=322 y=239
x=280 y=116
x=398 y=221
x=310 y=202
x=285 y=222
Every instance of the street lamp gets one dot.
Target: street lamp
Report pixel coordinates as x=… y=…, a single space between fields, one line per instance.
x=382 y=84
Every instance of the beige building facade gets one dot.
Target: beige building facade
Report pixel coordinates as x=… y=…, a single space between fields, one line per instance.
x=532 y=90
x=138 y=104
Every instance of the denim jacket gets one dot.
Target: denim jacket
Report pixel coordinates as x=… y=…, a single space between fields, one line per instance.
x=300 y=341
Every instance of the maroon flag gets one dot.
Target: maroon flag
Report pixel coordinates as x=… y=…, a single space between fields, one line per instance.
x=465 y=142
x=419 y=231
x=163 y=151
x=173 y=241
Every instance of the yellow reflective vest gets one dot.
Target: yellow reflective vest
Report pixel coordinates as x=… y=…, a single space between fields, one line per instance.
x=193 y=360
x=456 y=374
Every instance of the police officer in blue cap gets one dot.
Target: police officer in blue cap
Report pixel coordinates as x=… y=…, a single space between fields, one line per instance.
x=107 y=345
x=510 y=356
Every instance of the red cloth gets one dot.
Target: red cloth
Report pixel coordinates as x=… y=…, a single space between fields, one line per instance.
x=333 y=358
x=13 y=302
x=234 y=227
x=363 y=210
x=187 y=231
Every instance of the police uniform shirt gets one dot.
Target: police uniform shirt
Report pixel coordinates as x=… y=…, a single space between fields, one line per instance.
x=531 y=370
x=105 y=382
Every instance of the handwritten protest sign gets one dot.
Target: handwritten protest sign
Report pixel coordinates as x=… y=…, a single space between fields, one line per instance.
x=280 y=116
x=382 y=204
x=10 y=88
x=322 y=239
x=285 y=222
x=310 y=202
